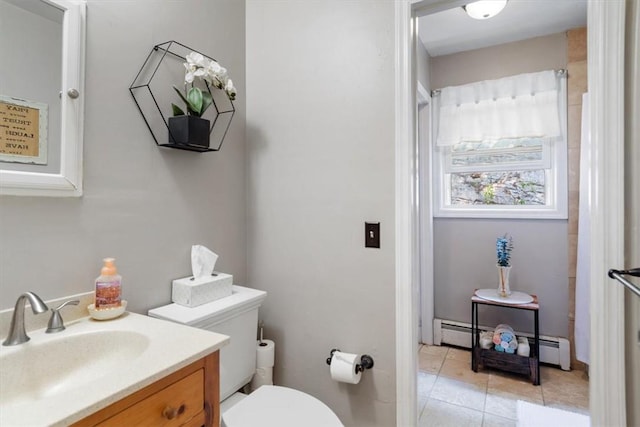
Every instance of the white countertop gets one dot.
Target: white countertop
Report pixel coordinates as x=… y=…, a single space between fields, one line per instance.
x=167 y=348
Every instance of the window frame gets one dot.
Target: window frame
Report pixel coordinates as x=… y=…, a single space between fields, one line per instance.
x=556 y=182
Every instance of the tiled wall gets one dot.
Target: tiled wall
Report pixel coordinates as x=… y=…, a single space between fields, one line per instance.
x=576 y=86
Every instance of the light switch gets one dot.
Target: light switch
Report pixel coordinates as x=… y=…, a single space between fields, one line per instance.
x=371 y=234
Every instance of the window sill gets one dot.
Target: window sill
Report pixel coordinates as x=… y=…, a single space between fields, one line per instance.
x=513 y=212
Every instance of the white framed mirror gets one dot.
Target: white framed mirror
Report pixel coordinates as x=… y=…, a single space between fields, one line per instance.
x=41 y=97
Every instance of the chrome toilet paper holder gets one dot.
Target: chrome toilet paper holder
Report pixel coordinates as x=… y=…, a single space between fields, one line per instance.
x=366 y=361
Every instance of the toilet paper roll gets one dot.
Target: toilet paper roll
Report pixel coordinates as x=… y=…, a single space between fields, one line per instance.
x=523 y=347
x=265 y=354
x=486 y=340
x=343 y=367
x=262 y=376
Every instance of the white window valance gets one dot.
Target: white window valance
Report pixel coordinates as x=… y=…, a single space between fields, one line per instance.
x=519 y=106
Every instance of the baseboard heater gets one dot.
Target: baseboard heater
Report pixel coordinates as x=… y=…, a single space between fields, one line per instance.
x=553 y=350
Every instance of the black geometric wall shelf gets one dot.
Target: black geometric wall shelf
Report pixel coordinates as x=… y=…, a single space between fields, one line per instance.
x=153 y=93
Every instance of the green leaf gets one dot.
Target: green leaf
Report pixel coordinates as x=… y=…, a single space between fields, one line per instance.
x=177 y=111
x=181 y=95
x=191 y=111
x=207 y=100
x=194 y=96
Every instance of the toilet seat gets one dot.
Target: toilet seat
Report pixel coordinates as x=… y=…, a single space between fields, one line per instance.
x=231 y=401
x=282 y=407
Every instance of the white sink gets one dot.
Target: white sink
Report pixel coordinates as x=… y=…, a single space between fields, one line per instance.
x=66 y=362
x=58 y=379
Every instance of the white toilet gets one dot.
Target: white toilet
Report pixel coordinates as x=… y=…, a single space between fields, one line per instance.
x=237 y=316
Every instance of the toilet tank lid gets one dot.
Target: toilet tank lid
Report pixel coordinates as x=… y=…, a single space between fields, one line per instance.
x=282 y=406
x=241 y=299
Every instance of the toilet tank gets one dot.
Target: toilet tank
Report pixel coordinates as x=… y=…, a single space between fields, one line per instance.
x=235 y=316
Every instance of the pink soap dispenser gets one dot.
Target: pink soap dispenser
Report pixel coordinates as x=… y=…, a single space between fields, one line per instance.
x=108 y=286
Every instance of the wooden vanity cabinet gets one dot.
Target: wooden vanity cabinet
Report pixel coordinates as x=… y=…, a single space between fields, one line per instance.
x=189 y=397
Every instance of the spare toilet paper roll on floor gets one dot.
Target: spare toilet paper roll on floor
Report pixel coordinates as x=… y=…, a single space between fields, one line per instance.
x=265 y=360
x=343 y=367
x=262 y=376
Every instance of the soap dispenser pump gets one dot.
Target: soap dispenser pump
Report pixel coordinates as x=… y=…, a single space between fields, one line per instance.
x=108 y=286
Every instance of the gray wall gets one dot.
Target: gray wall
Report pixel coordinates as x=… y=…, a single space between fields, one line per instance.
x=143 y=205
x=320 y=142
x=465 y=259
x=465 y=248
x=526 y=56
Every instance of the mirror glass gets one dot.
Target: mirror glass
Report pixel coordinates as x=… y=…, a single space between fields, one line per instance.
x=41 y=97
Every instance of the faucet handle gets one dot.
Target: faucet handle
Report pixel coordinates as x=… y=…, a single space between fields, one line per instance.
x=56 y=324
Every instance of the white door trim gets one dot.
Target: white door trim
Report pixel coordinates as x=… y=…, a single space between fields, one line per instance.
x=425 y=216
x=632 y=206
x=407 y=293
x=606 y=23
x=406 y=298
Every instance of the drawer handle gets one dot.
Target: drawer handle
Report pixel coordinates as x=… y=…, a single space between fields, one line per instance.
x=170 y=412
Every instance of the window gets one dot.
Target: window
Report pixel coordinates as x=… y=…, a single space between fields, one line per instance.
x=501 y=177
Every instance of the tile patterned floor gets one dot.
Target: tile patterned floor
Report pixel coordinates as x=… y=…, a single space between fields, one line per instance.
x=451 y=394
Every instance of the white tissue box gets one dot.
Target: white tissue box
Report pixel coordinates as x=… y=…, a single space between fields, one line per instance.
x=192 y=292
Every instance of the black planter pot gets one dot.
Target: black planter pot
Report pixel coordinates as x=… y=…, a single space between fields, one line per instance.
x=189 y=130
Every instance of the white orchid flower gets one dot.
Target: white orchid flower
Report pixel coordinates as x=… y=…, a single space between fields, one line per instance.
x=192 y=73
x=213 y=67
x=188 y=76
x=216 y=74
x=197 y=65
x=223 y=79
x=197 y=59
x=231 y=91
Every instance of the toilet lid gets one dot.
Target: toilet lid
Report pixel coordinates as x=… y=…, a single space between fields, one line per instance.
x=282 y=407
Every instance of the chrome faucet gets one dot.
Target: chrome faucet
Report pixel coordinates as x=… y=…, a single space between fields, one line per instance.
x=17 y=334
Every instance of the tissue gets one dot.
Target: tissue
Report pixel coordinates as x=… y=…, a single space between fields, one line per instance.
x=205 y=285
x=203 y=261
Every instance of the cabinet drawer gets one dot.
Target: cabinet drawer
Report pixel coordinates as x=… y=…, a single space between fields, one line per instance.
x=174 y=405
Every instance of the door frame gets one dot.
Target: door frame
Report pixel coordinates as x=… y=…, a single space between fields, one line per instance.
x=424 y=260
x=605 y=41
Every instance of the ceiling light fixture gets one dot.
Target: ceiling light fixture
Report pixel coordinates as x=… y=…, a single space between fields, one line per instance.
x=484 y=9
